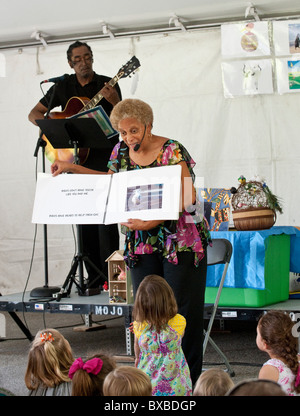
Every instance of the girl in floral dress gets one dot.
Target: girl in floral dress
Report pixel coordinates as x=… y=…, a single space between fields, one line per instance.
x=158 y=330
x=275 y=336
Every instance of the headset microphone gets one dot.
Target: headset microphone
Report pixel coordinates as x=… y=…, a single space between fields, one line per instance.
x=138 y=145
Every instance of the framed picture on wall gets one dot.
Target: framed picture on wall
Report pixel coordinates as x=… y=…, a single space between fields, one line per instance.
x=286 y=37
x=247 y=77
x=288 y=75
x=249 y=39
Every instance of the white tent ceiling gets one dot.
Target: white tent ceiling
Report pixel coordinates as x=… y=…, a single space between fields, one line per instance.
x=61 y=20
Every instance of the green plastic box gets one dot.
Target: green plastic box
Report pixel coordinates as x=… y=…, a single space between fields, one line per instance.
x=277 y=271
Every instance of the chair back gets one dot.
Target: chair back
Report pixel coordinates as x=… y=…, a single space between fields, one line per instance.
x=220 y=251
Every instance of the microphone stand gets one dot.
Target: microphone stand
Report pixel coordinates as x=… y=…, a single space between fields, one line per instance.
x=45 y=291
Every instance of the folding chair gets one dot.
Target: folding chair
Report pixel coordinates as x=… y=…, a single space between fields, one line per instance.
x=219 y=253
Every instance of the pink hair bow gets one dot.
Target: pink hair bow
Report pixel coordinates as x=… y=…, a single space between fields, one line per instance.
x=91 y=366
x=297 y=382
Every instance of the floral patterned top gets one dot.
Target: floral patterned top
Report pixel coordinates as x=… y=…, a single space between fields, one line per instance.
x=162 y=358
x=286 y=377
x=188 y=233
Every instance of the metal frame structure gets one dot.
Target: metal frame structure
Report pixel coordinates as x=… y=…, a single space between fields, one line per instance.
x=83 y=305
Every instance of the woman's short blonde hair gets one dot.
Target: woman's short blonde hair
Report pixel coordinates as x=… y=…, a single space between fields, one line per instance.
x=131 y=108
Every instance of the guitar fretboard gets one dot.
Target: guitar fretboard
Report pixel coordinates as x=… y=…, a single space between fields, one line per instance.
x=98 y=97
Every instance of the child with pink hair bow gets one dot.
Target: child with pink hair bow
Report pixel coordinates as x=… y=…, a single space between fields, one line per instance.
x=88 y=376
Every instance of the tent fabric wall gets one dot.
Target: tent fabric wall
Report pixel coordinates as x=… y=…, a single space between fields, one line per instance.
x=180 y=77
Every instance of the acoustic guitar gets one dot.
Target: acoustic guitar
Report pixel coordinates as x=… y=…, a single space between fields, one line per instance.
x=76 y=105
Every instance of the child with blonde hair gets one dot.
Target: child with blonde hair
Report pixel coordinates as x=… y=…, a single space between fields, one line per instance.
x=127 y=381
x=213 y=382
x=275 y=337
x=49 y=360
x=158 y=330
x=88 y=376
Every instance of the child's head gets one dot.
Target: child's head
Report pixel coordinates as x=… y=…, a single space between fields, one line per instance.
x=213 y=382
x=127 y=381
x=154 y=302
x=275 y=336
x=88 y=376
x=49 y=360
x=259 y=387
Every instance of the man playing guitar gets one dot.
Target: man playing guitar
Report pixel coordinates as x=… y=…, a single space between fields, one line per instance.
x=99 y=241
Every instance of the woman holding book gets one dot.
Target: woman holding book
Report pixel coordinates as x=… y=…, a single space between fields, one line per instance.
x=175 y=250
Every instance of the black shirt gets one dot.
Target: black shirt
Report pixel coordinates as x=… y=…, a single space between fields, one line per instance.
x=70 y=87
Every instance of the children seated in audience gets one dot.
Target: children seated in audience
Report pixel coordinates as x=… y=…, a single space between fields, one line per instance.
x=160 y=365
x=127 y=381
x=158 y=330
x=49 y=360
x=275 y=336
x=88 y=376
x=213 y=382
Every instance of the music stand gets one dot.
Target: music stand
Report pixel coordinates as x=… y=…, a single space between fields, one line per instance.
x=46 y=291
x=76 y=133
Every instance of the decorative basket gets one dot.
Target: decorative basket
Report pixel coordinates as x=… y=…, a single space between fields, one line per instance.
x=254 y=205
x=253 y=219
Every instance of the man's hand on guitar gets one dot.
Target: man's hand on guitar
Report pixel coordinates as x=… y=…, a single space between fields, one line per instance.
x=110 y=94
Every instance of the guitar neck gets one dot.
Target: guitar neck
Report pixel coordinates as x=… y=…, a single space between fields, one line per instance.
x=98 y=97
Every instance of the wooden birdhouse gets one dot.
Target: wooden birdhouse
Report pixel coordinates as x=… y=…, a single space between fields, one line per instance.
x=119 y=279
